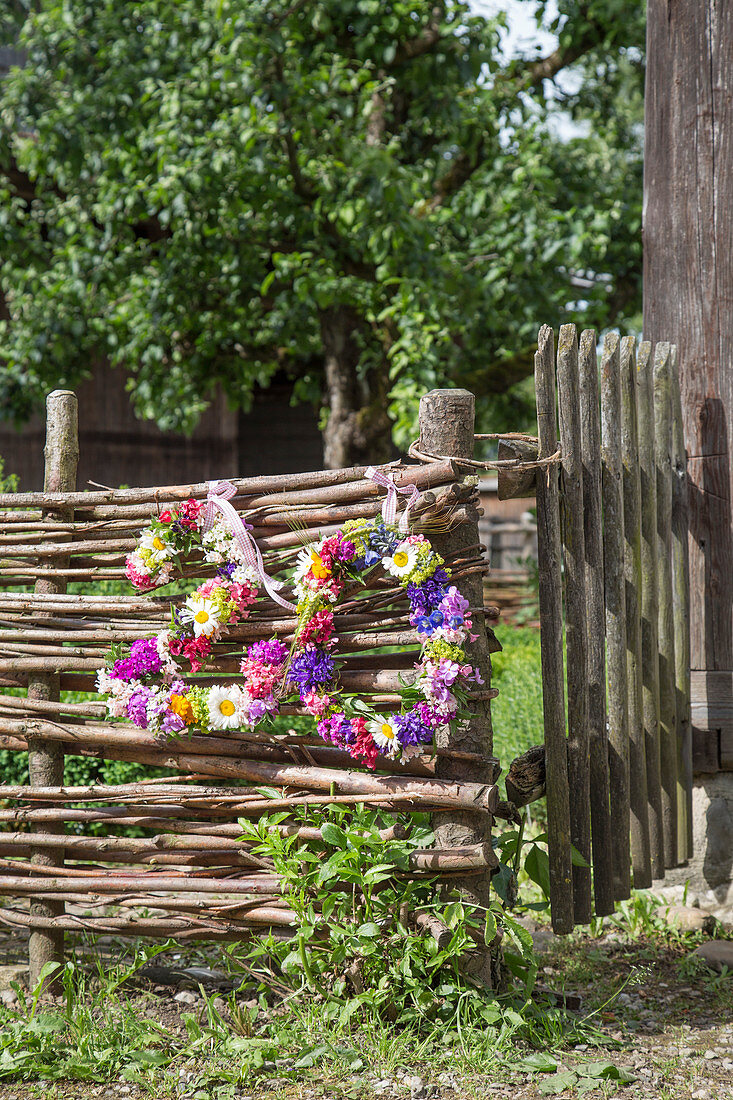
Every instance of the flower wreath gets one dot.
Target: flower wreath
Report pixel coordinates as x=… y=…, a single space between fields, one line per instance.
x=144 y=683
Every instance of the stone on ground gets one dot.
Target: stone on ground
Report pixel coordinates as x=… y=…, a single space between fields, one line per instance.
x=686 y=918
x=13 y=972
x=716 y=953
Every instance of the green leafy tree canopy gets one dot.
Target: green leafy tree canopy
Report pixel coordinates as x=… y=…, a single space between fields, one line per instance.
x=365 y=194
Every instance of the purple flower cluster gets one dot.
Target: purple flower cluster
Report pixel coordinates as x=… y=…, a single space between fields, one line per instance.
x=269 y=653
x=137 y=707
x=143 y=661
x=172 y=723
x=430 y=716
x=345 y=550
x=450 y=613
x=426 y=597
x=412 y=729
x=428 y=624
x=383 y=540
x=313 y=668
x=336 y=728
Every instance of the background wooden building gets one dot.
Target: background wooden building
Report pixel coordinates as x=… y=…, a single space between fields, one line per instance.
x=118 y=449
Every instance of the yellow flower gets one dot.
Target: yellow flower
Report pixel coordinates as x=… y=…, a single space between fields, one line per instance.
x=181 y=706
x=318 y=569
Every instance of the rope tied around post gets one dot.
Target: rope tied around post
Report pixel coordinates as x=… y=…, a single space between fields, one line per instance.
x=495 y=463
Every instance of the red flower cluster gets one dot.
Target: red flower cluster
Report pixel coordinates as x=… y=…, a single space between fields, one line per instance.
x=195 y=650
x=186 y=514
x=363 y=747
x=336 y=549
x=318 y=630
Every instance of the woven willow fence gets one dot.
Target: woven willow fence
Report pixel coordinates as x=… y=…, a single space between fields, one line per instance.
x=190 y=875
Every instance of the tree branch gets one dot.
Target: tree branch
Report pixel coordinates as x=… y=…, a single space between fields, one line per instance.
x=520 y=76
x=423 y=42
x=531 y=73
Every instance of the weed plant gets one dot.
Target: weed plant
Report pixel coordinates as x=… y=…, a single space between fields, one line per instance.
x=355 y=986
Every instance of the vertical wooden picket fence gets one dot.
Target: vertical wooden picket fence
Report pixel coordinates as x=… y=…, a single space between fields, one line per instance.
x=612 y=540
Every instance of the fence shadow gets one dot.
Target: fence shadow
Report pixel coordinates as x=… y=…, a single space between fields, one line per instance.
x=712 y=648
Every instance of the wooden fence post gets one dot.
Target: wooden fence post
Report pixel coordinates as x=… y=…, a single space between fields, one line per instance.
x=667 y=701
x=615 y=600
x=576 y=626
x=681 y=606
x=600 y=810
x=447 y=428
x=649 y=604
x=640 y=854
x=46 y=758
x=549 y=554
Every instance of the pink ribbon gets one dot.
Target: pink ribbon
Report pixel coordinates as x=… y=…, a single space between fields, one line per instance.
x=389 y=508
x=219 y=495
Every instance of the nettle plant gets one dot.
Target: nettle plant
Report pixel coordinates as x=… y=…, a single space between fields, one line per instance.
x=358 y=940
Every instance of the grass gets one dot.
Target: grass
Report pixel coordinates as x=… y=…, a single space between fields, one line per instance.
x=112 y=1026
x=108 y=1026
x=516 y=713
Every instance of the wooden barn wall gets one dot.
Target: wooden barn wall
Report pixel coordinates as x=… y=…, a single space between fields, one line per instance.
x=118 y=449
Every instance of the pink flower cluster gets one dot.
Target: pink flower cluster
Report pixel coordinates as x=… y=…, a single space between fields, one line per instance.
x=437 y=677
x=142 y=581
x=318 y=630
x=263 y=669
x=242 y=594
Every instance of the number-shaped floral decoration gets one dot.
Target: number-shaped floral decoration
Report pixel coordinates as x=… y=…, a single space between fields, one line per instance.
x=144 y=683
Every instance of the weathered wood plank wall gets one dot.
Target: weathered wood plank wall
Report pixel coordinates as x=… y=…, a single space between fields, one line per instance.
x=688 y=276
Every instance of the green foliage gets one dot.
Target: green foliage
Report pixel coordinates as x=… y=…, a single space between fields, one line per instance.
x=8 y=482
x=205 y=192
x=582 y=1078
x=516 y=713
x=93 y=1036
x=356 y=942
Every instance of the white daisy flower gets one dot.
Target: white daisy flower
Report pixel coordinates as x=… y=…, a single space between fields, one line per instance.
x=158 y=547
x=402 y=561
x=224 y=707
x=202 y=614
x=310 y=561
x=384 y=732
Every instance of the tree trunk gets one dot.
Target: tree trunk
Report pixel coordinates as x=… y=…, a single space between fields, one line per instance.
x=358 y=430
